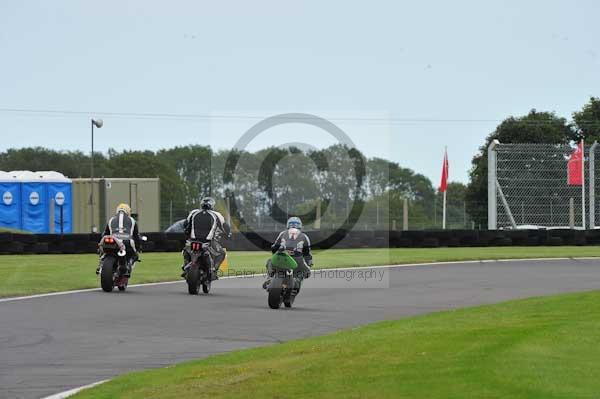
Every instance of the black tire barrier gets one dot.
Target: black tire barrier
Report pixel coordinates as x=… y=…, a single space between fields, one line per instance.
x=17 y=243
x=555 y=241
x=592 y=237
x=24 y=238
x=454 y=242
x=68 y=247
x=431 y=242
x=11 y=248
x=40 y=248
x=92 y=247
x=6 y=237
x=173 y=246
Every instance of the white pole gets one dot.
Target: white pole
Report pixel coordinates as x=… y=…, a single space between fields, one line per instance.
x=444 y=212
x=446 y=189
x=582 y=184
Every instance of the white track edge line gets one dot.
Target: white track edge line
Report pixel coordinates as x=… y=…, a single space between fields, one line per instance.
x=71 y=392
x=49 y=294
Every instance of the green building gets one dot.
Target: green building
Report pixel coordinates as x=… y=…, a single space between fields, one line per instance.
x=142 y=194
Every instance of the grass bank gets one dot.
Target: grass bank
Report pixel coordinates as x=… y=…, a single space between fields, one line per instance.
x=535 y=348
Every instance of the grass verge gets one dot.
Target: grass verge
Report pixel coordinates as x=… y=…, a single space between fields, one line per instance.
x=534 y=348
x=34 y=274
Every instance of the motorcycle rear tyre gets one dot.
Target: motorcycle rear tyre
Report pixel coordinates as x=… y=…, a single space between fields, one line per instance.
x=275 y=298
x=106 y=276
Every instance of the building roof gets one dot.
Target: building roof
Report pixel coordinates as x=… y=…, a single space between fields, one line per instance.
x=40 y=176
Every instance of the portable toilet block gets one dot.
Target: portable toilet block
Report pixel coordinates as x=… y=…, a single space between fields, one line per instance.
x=34 y=202
x=59 y=199
x=10 y=201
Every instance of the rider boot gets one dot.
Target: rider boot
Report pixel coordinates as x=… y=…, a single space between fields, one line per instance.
x=217 y=265
x=186 y=260
x=184 y=273
x=270 y=274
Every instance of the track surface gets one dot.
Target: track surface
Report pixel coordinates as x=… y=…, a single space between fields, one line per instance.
x=51 y=344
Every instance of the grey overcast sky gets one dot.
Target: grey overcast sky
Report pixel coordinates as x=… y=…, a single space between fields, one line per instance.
x=402 y=79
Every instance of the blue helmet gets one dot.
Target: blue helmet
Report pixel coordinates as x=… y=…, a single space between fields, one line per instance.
x=294 y=222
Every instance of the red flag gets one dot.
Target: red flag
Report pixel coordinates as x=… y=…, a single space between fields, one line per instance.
x=575 y=166
x=444 y=183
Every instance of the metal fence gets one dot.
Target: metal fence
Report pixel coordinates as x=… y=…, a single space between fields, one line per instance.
x=380 y=215
x=528 y=187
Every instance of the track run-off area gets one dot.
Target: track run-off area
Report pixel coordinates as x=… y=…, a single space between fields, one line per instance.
x=53 y=343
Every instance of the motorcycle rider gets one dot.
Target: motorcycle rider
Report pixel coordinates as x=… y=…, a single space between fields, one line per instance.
x=297 y=244
x=208 y=226
x=125 y=228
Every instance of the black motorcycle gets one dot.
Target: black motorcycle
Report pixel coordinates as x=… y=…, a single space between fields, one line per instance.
x=115 y=264
x=198 y=272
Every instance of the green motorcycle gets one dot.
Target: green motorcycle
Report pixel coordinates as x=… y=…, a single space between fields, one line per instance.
x=284 y=285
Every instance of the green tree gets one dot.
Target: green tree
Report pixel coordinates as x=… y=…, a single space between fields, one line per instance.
x=587 y=121
x=193 y=166
x=70 y=163
x=535 y=127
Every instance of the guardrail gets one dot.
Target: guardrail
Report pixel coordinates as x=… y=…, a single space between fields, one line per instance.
x=15 y=243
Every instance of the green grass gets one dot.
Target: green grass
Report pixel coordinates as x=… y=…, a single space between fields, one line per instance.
x=7 y=230
x=32 y=274
x=535 y=348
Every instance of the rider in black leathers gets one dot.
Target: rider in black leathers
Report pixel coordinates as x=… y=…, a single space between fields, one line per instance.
x=297 y=243
x=208 y=226
x=125 y=228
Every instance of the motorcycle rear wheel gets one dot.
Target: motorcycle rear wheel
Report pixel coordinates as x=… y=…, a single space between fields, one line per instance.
x=275 y=298
x=193 y=280
x=106 y=276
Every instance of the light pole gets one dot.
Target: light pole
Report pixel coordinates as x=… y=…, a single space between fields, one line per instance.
x=98 y=123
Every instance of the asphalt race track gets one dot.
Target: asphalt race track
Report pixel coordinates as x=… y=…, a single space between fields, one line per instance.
x=55 y=343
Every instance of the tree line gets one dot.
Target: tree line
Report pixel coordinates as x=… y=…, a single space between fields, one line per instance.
x=265 y=182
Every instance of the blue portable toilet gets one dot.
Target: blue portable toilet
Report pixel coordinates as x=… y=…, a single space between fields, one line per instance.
x=34 y=202
x=10 y=201
x=59 y=199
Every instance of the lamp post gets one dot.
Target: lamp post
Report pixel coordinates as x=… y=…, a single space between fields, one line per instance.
x=98 y=123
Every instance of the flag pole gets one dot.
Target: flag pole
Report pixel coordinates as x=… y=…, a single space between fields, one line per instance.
x=444 y=206
x=582 y=183
x=444 y=213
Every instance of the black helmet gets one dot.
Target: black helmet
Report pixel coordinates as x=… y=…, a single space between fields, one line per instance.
x=208 y=203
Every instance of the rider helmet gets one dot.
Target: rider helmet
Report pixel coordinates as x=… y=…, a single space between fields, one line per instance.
x=294 y=223
x=208 y=203
x=124 y=208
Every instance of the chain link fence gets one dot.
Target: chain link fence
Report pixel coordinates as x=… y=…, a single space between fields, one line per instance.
x=377 y=215
x=528 y=187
